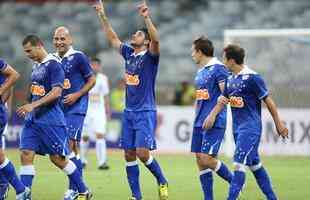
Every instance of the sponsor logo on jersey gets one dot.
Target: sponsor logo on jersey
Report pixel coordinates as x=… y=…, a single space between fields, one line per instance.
x=202 y=94
x=132 y=79
x=236 y=102
x=37 y=90
x=67 y=84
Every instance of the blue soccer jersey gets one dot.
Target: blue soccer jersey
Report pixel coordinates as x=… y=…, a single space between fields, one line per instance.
x=207 y=82
x=44 y=77
x=3 y=114
x=77 y=70
x=140 y=76
x=245 y=92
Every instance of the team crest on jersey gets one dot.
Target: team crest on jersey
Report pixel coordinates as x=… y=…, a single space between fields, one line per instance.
x=236 y=102
x=132 y=79
x=37 y=90
x=202 y=94
x=67 y=84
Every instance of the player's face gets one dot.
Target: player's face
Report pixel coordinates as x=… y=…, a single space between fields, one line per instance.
x=31 y=51
x=196 y=55
x=138 y=39
x=96 y=66
x=62 y=42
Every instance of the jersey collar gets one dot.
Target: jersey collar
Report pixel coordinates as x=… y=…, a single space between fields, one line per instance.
x=142 y=53
x=67 y=54
x=213 y=61
x=48 y=58
x=246 y=70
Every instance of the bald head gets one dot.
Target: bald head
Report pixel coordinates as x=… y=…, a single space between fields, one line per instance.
x=62 y=40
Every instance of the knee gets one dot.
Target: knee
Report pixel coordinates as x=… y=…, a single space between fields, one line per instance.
x=143 y=155
x=130 y=155
x=27 y=157
x=99 y=136
x=58 y=161
x=206 y=160
x=85 y=138
x=240 y=167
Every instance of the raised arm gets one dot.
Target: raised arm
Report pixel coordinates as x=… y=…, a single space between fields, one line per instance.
x=107 y=28
x=154 y=43
x=281 y=128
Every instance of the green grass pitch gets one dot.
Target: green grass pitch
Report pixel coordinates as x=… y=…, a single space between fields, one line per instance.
x=290 y=177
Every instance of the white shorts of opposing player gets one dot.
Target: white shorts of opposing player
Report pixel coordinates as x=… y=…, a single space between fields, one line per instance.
x=94 y=125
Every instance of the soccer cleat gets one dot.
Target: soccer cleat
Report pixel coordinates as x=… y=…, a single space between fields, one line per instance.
x=134 y=198
x=26 y=195
x=163 y=191
x=104 y=167
x=85 y=196
x=4 y=191
x=71 y=195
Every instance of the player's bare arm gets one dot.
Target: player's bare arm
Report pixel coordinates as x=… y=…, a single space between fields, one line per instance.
x=54 y=94
x=72 y=98
x=107 y=28
x=280 y=126
x=209 y=121
x=144 y=11
x=12 y=77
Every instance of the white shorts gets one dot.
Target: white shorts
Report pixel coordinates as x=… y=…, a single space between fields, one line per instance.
x=94 y=123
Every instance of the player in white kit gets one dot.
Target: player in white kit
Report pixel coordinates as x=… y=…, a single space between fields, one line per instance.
x=96 y=118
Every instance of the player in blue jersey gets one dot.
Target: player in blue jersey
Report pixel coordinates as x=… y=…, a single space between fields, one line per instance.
x=79 y=79
x=8 y=77
x=139 y=121
x=209 y=82
x=245 y=90
x=44 y=131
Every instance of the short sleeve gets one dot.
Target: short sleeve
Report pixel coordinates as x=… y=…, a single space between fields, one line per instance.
x=259 y=87
x=221 y=74
x=3 y=64
x=57 y=74
x=84 y=65
x=154 y=58
x=126 y=50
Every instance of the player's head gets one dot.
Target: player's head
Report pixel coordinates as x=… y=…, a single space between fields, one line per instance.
x=62 y=40
x=202 y=47
x=233 y=55
x=96 y=64
x=140 y=38
x=33 y=47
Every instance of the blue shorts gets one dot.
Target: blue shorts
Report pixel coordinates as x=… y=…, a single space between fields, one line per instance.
x=44 y=139
x=207 y=141
x=75 y=126
x=138 y=130
x=246 y=151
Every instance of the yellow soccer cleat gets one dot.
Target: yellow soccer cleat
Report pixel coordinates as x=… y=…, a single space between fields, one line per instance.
x=163 y=191
x=85 y=196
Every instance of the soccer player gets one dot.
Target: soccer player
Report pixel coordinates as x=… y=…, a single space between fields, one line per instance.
x=44 y=131
x=139 y=120
x=245 y=90
x=96 y=117
x=8 y=77
x=209 y=82
x=79 y=79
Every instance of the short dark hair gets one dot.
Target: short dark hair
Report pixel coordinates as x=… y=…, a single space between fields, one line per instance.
x=146 y=33
x=34 y=40
x=204 y=45
x=96 y=59
x=235 y=52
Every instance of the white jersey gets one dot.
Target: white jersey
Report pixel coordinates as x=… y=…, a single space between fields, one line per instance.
x=97 y=93
x=95 y=120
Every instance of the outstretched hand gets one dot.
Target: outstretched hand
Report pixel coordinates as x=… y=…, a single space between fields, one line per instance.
x=99 y=7
x=144 y=9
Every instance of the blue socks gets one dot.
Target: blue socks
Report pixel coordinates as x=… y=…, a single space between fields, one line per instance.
x=75 y=177
x=133 y=173
x=78 y=163
x=155 y=169
x=223 y=171
x=27 y=174
x=236 y=185
x=263 y=181
x=206 y=181
x=8 y=170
